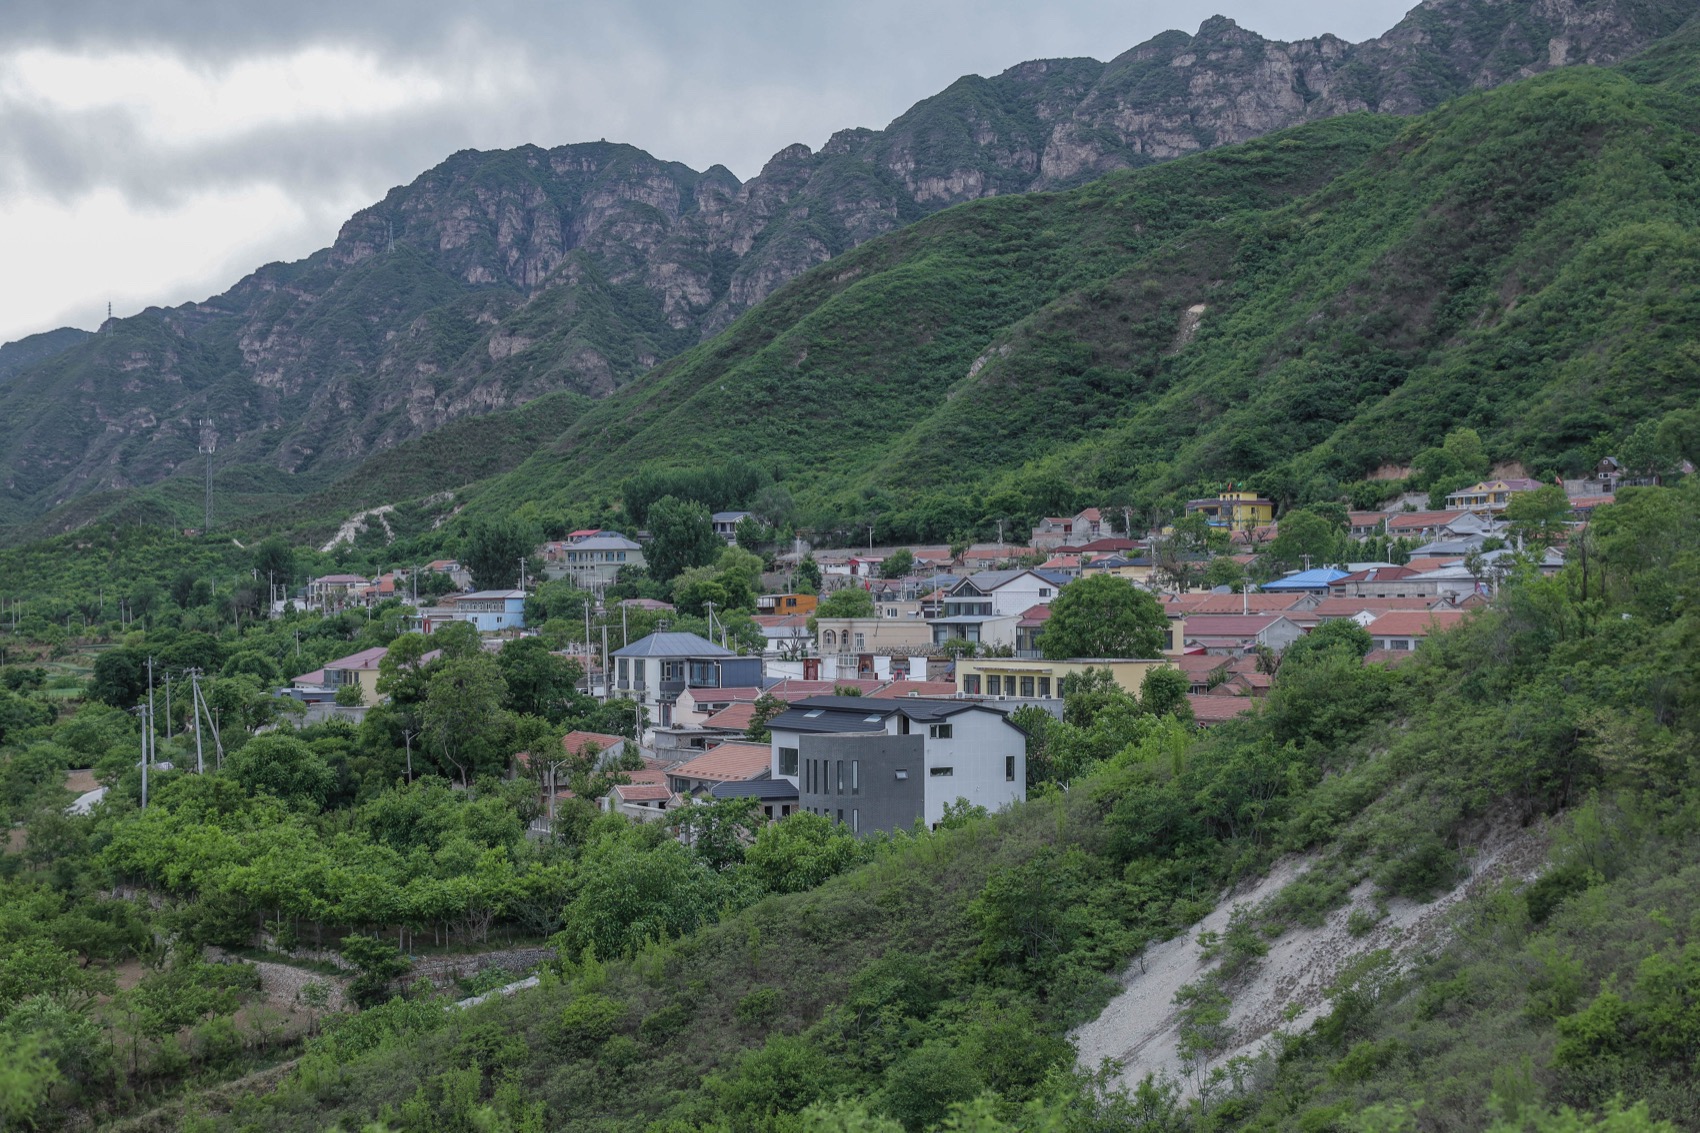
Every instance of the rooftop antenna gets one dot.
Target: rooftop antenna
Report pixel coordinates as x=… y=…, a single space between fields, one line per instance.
x=206 y=447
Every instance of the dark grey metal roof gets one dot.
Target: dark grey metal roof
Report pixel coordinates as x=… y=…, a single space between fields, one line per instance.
x=755 y=789
x=862 y=713
x=674 y=645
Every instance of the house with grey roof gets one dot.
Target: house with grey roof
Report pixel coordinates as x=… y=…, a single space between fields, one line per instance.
x=654 y=670
x=726 y=524
x=594 y=561
x=878 y=764
x=987 y=606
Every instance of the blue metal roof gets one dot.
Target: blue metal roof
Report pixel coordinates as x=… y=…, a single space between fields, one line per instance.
x=1317 y=579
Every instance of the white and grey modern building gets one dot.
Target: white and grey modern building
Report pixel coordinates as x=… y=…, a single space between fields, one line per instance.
x=881 y=764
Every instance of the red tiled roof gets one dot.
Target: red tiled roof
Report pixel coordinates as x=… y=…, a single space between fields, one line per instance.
x=1034 y=616
x=781 y=621
x=643 y=792
x=1105 y=544
x=728 y=763
x=1433 y=562
x=1208 y=709
x=796 y=689
x=897 y=689
x=1416 y=520
x=574 y=743
x=1588 y=503
x=1375 y=574
x=1187 y=605
x=735 y=718
x=1415 y=623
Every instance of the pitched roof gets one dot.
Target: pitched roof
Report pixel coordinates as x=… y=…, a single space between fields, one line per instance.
x=1415 y=623
x=1417 y=520
x=795 y=688
x=735 y=718
x=728 y=761
x=1230 y=625
x=1314 y=579
x=1375 y=574
x=674 y=644
x=897 y=689
x=574 y=743
x=1034 y=616
x=1207 y=709
x=723 y=695
x=642 y=792
x=1335 y=607
x=1189 y=604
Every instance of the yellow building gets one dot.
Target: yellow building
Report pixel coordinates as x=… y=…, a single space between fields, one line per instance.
x=1042 y=680
x=1236 y=511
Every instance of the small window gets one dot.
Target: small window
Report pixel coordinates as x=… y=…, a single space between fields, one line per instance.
x=872 y=719
x=994 y=686
x=902 y=773
x=1044 y=686
x=812 y=714
x=1009 y=769
x=1044 y=591
x=855 y=776
x=855 y=821
x=787 y=761
x=971 y=684
x=840 y=777
x=940 y=731
x=859 y=641
x=1026 y=686
x=841 y=815
x=941 y=772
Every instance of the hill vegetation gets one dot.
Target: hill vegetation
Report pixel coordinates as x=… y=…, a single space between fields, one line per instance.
x=1296 y=312
x=809 y=981
x=500 y=277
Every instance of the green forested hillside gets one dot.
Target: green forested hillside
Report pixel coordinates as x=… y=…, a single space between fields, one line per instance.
x=1299 y=310
x=717 y=988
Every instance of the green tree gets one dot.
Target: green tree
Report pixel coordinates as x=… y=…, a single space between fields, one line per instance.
x=898 y=564
x=463 y=715
x=717 y=831
x=1224 y=571
x=1306 y=537
x=629 y=893
x=850 y=602
x=539 y=683
x=379 y=964
x=767 y=706
x=1539 y=516
x=749 y=534
x=681 y=536
x=492 y=549
x=282 y=765
x=807 y=579
x=274 y=560
x=1104 y=616
x=120 y=677
x=801 y=852
x=27 y=1077
x=351 y=695
x=1163 y=693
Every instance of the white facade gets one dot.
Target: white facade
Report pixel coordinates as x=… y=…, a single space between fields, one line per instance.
x=975 y=755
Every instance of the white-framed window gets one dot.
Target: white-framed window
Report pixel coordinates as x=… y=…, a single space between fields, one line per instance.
x=941 y=772
x=939 y=732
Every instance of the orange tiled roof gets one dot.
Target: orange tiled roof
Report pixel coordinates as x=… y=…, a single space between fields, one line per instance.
x=728 y=763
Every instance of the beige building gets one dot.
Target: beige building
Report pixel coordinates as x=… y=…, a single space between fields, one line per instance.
x=1042 y=680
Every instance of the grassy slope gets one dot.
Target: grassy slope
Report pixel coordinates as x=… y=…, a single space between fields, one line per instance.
x=1521 y=261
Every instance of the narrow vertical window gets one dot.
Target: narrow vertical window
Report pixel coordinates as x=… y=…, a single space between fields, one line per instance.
x=855 y=776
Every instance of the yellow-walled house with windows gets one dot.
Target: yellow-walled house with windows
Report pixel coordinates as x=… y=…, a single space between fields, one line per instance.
x=1042 y=680
x=1236 y=510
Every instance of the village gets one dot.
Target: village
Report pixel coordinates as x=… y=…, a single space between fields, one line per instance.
x=888 y=692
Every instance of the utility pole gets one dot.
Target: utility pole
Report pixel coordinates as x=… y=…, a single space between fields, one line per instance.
x=142 y=713
x=624 y=639
x=153 y=741
x=195 y=706
x=605 y=660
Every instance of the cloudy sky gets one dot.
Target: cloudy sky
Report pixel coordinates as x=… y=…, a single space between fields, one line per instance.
x=153 y=151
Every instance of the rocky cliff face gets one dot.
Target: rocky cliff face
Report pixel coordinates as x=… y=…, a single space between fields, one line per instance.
x=496 y=277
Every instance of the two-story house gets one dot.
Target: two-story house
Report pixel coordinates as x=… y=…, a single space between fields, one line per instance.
x=594 y=562
x=654 y=670
x=877 y=764
x=1234 y=511
x=987 y=607
x=726 y=524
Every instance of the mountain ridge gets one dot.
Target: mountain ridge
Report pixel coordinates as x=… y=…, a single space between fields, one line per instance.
x=497 y=277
